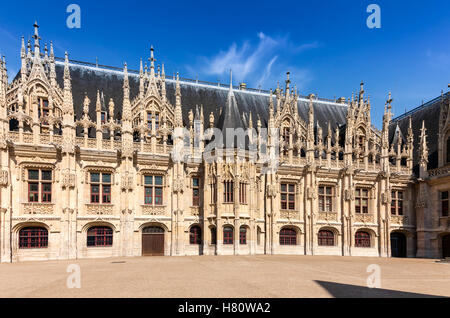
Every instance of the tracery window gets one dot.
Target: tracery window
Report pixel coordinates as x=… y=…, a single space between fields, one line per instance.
x=288 y=237
x=325 y=199
x=213 y=236
x=33 y=237
x=397 y=202
x=153 y=190
x=99 y=236
x=362 y=239
x=213 y=192
x=242 y=193
x=287 y=196
x=100 y=187
x=326 y=238
x=228 y=191
x=39 y=185
x=361 y=200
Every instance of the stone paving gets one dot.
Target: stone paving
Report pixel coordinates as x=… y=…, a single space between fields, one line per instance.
x=227 y=276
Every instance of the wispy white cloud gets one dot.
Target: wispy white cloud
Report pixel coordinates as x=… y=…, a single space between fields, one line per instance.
x=260 y=62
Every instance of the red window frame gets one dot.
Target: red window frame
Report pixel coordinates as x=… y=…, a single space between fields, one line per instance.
x=46 y=194
x=243 y=236
x=33 y=237
x=33 y=195
x=100 y=236
x=326 y=238
x=148 y=195
x=195 y=235
x=288 y=237
x=325 y=199
x=101 y=189
x=397 y=202
x=287 y=196
x=40 y=179
x=153 y=190
x=228 y=233
x=361 y=194
x=362 y=239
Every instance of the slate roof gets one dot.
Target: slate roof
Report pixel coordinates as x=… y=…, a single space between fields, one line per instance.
x=87 y=80
x=428 y=112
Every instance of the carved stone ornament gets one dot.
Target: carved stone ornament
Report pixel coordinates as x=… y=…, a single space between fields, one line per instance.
x=178 y=185
x=68 y=180
x=349 y=194
x=4 y=178
x=126 y=182
x=386 y=198
x=271 y=190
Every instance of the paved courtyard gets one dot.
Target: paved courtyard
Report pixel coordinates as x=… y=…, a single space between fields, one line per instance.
x=227 y=276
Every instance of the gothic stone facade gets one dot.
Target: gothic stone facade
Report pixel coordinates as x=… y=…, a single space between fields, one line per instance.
x=90 y=167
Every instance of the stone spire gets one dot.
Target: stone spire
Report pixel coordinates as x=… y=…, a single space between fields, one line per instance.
x=98 y=104
x=163 y=85
x=68 y=98
x=386 y=122
x=141 y=81
x=126 y=116
x=310 y=133
x=37 y=52
x=178 y=112
x=152 y=62
x=423 y=152
x=23 y=58
x=52 y=66
x=410 y=133
x=288 y=83
x=3 y=83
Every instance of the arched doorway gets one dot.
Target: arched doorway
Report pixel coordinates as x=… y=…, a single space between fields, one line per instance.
x=152 y=241
x=398 y=244
x=446 y=246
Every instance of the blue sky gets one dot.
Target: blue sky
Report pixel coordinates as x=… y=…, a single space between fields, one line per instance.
x=326 y=45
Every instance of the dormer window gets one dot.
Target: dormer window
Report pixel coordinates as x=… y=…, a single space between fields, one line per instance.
x=43 y=108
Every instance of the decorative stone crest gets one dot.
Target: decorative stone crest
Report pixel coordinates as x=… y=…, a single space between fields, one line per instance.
x=68 y=180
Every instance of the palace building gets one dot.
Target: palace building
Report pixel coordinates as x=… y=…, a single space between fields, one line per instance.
x=91 y=165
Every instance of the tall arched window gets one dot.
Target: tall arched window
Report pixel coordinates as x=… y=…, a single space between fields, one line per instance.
x=213 y=236
x=288 y=237
x=33 y=237
x=243 y=235
x=326 y=238
x=99 y=236
x=195 y=235
x=362 y=239
x=227 y=235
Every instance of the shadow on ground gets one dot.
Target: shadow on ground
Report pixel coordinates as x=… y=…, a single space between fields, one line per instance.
x=352 y=291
